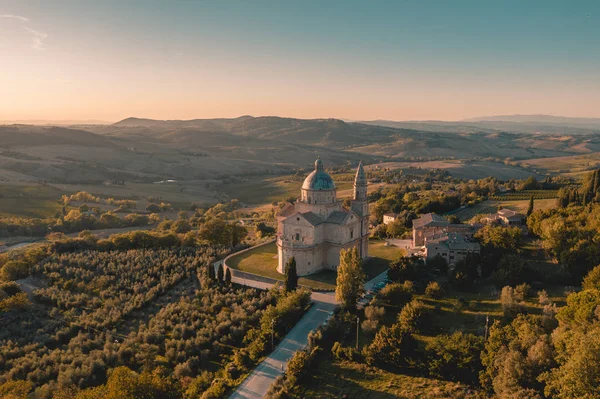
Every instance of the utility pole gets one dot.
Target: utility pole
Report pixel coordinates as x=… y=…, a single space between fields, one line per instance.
x=357 y=327
x=487 y=322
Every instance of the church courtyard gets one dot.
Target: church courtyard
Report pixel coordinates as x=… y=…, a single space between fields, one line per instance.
x=263 y=261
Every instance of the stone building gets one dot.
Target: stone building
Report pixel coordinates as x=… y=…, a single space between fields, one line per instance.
x=390 y=218
x=430 y=224
x=451 y=246
x=505 y=217
x=317 y=227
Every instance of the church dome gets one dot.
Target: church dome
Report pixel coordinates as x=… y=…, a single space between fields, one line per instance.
x=318 y=179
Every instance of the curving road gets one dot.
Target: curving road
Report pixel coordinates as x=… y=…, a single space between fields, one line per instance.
x=257 y=384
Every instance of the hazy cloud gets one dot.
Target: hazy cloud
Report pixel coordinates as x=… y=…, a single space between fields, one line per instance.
x=38 y=38
x=20 y=18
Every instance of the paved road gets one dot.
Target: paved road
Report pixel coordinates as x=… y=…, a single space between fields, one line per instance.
x=257 y=384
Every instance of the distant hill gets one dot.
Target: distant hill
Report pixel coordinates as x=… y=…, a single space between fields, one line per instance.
x=528 y=124
x=334 y=132
x=147 y=150
x=29 y=135
x=539 y=119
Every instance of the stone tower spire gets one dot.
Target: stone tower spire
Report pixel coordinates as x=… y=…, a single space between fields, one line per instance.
x=360 y=184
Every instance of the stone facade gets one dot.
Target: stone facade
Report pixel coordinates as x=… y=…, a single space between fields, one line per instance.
x=453 y=247
x=390 y=218
x=316 y=227
x=432 y=224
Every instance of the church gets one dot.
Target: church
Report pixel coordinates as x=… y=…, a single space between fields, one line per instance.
x=317 y=227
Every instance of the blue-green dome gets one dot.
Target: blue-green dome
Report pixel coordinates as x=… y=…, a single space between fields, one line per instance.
x=318 y=179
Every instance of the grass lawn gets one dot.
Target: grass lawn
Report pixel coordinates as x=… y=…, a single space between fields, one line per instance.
x=263 y=261
x=381 y=257
x=335 y=380
x=491 y=206
x=34 y=201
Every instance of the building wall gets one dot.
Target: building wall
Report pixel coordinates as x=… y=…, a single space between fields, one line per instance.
x=452 y=256
x=318 y=247
x=387 y=219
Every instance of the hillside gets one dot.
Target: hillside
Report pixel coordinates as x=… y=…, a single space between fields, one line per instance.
x=203 y=154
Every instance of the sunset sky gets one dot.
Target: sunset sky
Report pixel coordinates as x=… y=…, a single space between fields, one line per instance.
x=398 y=60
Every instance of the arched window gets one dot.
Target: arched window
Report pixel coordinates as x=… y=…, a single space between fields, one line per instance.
x=309 y=200
x=298 y=236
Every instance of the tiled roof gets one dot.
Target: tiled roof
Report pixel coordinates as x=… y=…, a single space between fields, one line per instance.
x=430 y=219
x=453 y=241
x=312 y=218
x=337 y=217
x=287 y=210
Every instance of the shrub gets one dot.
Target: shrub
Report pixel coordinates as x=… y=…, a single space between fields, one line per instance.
x=9 y=289
x=543 y=298
x=522 y=291
x=511 y=305
x=455 y=357
x=412 y=316
x=396 y=293
x=433 y=290
x=592 y=279
x=391 y=346
x=14 y=270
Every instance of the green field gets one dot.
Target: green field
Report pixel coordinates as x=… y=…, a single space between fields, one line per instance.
x=35 y=201
x=335 y=380
x=263 y=261
x=266 y=189
x=491 y=206
x=573 y=165
x=381 y=256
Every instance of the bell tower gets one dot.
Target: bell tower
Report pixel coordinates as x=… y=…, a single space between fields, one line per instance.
x=360 y=206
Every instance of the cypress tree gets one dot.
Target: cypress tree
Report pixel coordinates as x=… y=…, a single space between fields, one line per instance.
x=211 y=272
x=530 y=209
x=220 y=273
x=291 y=275
x=228 y=277
x=596 y=185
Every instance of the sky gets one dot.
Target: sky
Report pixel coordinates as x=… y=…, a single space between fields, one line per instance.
x=396 y=60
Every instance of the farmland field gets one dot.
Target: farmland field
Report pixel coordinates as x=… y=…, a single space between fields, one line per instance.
x=491 y=206
x=21 y=200
x=266 y=189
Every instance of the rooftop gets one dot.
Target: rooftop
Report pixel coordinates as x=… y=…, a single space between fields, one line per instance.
x=430 y=219
x=318 y=179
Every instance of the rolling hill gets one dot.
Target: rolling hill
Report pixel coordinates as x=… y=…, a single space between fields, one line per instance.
x=205 y=153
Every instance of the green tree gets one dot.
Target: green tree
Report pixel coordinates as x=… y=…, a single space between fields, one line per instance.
x=211 y=272
x=15 y=389
x=350 y=279
x=592 y=279
x=228 y=277
x=412 y=316
x=220 y=273
x=14 y=270
x=510 y=269
x=124 y=383
x=455 y=357
x=391 y=346
x=291 y=276
x=235 y=233
x=530 y=208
